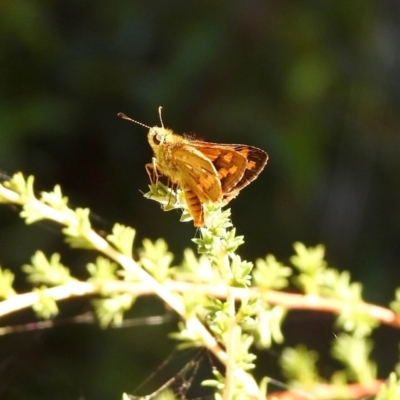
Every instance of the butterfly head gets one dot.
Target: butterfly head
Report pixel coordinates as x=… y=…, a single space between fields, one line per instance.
x=159 y=136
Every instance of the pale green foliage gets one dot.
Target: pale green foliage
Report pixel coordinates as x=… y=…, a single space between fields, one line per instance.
x=354 y=317
x=46 y=306
x=217 y=383
x=263 y=388
x=308 y=260
x=395 y=304
x=270 y=274
x=238 y=319
x=167 y=197
x=218 y=318
x=390 y=390
x=111 y=310
x=170 y=199
x=6 y=282
x=156 y=259
x=219 y=243
x=47 y=271
x=102 y=271
x=122 y=238
x=339 y=381
x=166 y=395
x=268 y=327
x=332 y=283
x=32 y=211
x=187 y=335
x=193 y=269
x=249 y=308
x=240 y=271
x=212 y=243
x=310 y=263
x=354 y=352
x=315 y=278
x=23 y=187
x=298 y=365
x=195 y=301
x=219 y=221
x=242 y=343
x=55 y=199
x=262 y=321
x=77 y=234
x=51 y=204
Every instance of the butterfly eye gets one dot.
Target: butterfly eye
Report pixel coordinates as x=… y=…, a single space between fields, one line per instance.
x=157 y=139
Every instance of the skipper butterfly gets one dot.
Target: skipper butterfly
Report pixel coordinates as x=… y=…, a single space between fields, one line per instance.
x=206 y=172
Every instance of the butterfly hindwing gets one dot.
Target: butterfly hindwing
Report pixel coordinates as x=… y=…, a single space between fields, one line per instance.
x=256 y=161
x=229 y=163
x=237 y=165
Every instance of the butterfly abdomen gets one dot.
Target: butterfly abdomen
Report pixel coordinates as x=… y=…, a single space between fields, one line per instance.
x=195 y=207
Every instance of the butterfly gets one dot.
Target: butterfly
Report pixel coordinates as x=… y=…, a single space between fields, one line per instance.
x=206 y=172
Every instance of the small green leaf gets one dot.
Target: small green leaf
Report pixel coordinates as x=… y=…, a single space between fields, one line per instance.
x=390 y=390
x=48 y=271
x=111 y=310
x=269 y=274
x=354 y=352
x=46 y=306
x=240 y=272
x=308 y=260
x=32 y=212
x=194 y=269
x=102 y=271
x=6 y=282
x=22 y=186
x=268 y=328
x=122 y=238
x=395 y=305
x=188 y=335
x=168 y=198
x=299 y=365
x=77 y=234
x=156 y=259
x=55 y=199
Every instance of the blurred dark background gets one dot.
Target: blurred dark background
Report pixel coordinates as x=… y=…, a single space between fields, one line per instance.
x=315 y=84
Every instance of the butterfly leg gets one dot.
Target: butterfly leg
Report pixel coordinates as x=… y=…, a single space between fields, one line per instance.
x=173 y=197
x=152 y=171
x=195 y=207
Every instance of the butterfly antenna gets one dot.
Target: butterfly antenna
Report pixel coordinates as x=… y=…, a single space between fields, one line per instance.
x=159 y=113
x=123 y=116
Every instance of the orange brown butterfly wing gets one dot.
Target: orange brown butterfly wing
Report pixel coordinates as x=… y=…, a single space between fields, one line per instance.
x=229 y=163
x=256 y=161
x=198 y=173
x=237 y=165
x=198 y=180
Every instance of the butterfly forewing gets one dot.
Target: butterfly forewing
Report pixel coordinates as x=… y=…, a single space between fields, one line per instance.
x=198 y=173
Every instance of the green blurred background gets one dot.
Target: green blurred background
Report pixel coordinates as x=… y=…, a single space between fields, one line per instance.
x=316 y=84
